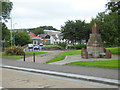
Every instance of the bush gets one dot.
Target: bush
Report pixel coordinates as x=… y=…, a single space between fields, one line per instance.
x=77 y=46
x=71 y=47
x=7 y=44
x=15 y=50
x=63 y=45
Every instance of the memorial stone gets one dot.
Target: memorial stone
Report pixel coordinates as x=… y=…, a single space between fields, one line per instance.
x=95 y=46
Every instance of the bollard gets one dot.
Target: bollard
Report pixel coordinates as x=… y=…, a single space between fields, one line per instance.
x=24 y=57
x=33 y=57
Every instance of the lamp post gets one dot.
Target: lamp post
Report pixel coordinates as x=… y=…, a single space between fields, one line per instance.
x=11 y=32
x=14 y=31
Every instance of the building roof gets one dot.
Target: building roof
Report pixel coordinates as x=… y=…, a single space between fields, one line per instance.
x=33 y=36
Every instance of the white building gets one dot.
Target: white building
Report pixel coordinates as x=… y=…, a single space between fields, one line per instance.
x=49 y=37
x=55 y=36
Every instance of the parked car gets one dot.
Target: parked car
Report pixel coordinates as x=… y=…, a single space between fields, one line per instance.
x=30 y=46
x=36 y=47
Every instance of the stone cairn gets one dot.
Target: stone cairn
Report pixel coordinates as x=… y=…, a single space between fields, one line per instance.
x=95 y=47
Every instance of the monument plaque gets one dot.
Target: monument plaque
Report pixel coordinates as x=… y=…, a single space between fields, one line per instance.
x=108 y=54
x=84 y=53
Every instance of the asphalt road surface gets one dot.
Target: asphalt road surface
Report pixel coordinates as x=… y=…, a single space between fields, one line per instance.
x=81 y=70
x=21 y=79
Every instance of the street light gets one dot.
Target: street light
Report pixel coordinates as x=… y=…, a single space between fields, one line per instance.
x=11 y=32
x=14 y=31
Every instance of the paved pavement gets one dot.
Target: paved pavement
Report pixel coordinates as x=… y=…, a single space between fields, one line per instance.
x=81 y=70
x=22 y=79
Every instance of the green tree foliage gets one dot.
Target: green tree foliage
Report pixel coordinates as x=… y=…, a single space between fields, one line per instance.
x=6 y=9
x=22 y=38
x=113 y=6
x=5 y=32
x=108 y=27
x=75 y=30
x=48 y=28
x=38 y=30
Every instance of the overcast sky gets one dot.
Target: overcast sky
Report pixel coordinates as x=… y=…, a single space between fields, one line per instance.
x=35 y=13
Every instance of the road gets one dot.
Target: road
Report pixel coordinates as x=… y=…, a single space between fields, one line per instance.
x=81 y=70
x=21 y=79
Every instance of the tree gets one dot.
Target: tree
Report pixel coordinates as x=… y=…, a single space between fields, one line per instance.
x=48 y=28
x=113 y=6
x=75 y=31
x=22 y=39
x=6 y=9
x=108 y=27
x=68 y=31
x=38 y=30
x=5 y=32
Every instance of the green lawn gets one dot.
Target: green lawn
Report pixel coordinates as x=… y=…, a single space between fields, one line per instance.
x=36 y=53
x=115 y=50
x=52 y=46
x=15 y=57
x=109 y=64
x=62 y=55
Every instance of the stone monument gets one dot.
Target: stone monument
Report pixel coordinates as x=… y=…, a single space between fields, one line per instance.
x=95 y=46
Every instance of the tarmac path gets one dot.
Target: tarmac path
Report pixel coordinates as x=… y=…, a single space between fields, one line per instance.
x=42 y=58
x=76 y=58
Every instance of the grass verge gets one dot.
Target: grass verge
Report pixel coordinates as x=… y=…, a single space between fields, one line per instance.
x=62 y=55
x=52 y=46
x=15 y=57
x=114 y=50
x=108 y=64
x=36 y=53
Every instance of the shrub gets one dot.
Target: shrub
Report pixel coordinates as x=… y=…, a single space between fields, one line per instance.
x=77 y=46
x=63 y=45
x=15 y=50
x=71 y=47
x=7 y=44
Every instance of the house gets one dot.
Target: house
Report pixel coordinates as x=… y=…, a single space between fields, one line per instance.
x=55 y=36
x=49 y=37
x=36 y=39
